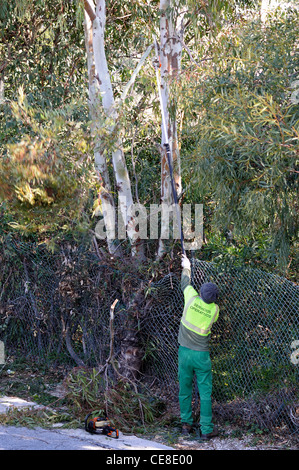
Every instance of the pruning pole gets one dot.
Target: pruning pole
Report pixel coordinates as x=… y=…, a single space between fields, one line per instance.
x=168 y=152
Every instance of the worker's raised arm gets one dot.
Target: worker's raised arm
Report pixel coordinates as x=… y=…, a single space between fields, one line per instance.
x=186 y=273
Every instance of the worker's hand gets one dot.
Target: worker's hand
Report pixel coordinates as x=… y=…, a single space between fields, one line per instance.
x=185 y=262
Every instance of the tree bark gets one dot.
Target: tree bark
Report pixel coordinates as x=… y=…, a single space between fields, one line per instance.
x=106 y=198
x=131 y=351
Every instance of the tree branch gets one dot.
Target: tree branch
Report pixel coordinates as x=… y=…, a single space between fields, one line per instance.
x=135 y=73
x=89 y=10
x=191 y=57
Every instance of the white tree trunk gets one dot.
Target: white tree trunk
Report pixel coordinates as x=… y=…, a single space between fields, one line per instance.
x=102 y=93
x=106 y=198
x=2 y=98
x=170 y=59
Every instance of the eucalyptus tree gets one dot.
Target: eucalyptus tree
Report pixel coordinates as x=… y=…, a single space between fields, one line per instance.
x=169 y=21
x=41 y=47
x=102 y=97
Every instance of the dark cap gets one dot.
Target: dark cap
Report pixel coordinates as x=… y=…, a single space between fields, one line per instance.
x=209 y=292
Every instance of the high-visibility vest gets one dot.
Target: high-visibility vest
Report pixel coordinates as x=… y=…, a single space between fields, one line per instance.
x=198 y=316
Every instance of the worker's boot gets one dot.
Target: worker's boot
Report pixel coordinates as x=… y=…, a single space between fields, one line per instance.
x=187 y=429
x=210 y=435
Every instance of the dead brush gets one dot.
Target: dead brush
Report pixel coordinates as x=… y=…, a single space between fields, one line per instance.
x=126 y=407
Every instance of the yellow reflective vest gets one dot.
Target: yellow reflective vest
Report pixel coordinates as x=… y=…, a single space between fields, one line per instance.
x=198 y=316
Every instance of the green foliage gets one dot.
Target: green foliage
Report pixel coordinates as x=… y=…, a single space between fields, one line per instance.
x=45 y=169
x=244 y=160
x=243 y=143
x=42 y=48
x=46 y=177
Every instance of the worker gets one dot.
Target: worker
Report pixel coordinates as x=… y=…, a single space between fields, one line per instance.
x=200 y=312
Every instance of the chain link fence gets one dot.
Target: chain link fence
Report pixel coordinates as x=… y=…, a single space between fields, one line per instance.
x=255 y=365
x=54 y=310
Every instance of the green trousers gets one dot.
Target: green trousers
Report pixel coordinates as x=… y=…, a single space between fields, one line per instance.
x=199 y=363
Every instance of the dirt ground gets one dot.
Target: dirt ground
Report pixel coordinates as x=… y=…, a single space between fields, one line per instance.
x=228 y=441
x=249 y=442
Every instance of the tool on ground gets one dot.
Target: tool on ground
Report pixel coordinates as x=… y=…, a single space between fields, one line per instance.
x=168 y=152
x=100 y=425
